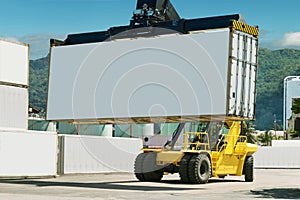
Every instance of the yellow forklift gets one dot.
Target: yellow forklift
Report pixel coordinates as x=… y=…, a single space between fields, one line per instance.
x=217 y=150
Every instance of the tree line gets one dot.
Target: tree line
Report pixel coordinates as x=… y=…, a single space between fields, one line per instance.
x=274 y=66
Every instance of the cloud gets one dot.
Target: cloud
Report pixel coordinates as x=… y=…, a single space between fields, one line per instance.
x=288 y=40
x=14 y=39
x=291 y=39
x=39 y=43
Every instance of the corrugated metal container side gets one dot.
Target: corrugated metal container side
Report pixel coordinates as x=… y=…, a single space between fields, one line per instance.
x=14 y=63
x=243 y=75
x=13 y=107
x=204 y=73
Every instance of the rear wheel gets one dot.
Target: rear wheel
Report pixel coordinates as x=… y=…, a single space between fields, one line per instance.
x=199 y=169
x=138 y=167
x=184 y=168
x=248 y=169
x=152 y=172
x=145 y=168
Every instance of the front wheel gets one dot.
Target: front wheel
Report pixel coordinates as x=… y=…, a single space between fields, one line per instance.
x=199 y=169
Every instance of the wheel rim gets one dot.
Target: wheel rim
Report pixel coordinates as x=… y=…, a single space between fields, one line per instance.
x=203 y=169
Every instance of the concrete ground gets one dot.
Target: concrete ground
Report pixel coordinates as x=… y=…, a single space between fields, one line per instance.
x=268 y=184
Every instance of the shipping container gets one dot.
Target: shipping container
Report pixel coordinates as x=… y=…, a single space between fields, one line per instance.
x=27 y=153
x=13 y=107
x=164 y=78
x=14 y=63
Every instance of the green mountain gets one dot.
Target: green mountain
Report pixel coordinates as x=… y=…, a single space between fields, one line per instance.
x=38 y=80
x=274 y=66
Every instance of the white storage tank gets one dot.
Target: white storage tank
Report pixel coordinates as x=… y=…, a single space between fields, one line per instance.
x=291 y=90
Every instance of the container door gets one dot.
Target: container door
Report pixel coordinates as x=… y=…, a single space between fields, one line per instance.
x=243 y=75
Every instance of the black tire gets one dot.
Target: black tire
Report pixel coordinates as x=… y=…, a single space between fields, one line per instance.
x=151 y=172
x=138 y=167
x=248 y=169
x=184 y=168
x=199 y=169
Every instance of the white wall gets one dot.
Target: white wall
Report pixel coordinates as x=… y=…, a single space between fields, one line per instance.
x=91 y=154
x=27 y=153
x=283 y=154
x=286 y=143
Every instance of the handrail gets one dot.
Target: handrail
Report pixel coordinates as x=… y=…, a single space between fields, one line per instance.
x=199 y=142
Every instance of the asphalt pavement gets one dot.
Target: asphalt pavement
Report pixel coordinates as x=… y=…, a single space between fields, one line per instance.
x=268 y=184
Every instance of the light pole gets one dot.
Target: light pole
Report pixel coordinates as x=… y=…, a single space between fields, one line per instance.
x=275 y=126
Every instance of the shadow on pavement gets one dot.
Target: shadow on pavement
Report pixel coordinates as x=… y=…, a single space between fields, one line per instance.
x=209 y=181
x=120 y=185
x=278 y=193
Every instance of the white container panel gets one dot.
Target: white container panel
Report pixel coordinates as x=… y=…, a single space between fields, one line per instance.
x=240 y=91
x=241 y=44
x=243 y=75
x=253 y=91
x=27 y=153
x=170 y=75
x=13 y=107
x=174 y=75
x=254 y=51
x=14 y=62
x=234 y=50
x=247 y=92
x=88 y=154
x=233 y=88
x=249 y=49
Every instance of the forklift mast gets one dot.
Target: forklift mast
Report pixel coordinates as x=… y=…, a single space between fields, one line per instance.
x=151 y=18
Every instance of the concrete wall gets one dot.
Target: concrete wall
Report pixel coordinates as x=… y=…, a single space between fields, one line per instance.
x=27 y=153
x=283 y=154
x=32 y=153
x=91 y=154
x=286 y=143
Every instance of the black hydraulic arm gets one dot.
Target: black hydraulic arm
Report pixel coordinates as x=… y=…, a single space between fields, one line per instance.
x=175 y=136
x=162 y=9
x=152 y=18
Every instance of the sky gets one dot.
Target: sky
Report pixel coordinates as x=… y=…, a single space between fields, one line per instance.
x=36 y=21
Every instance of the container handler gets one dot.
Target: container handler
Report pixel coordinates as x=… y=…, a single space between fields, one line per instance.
x=217 y=150
x=206 y=152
